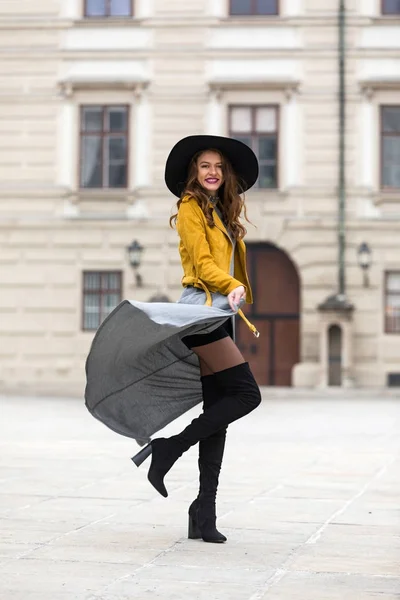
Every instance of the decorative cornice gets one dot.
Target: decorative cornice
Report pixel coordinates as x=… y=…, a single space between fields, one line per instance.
x=288 y=86
x=66 y=88
x=370 y=86
x=337 y=303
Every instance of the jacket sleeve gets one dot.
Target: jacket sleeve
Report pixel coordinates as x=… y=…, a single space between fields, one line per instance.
x=191 y=230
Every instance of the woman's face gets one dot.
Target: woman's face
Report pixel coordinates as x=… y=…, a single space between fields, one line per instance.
x=209 y=171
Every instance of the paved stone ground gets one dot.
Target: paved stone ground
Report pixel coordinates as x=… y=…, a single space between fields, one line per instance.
x=309 y=499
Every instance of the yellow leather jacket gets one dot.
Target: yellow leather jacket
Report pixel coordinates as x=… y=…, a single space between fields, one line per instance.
x=206 y=254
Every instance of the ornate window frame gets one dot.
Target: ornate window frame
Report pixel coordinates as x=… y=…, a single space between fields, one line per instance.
x=73 y=94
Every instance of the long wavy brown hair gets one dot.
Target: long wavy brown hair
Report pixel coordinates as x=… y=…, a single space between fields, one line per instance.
x=230 y=202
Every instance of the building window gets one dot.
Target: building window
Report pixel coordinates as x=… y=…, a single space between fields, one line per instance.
x=108 y=8
x=391 y=7
x=254 y=7
x=101 y=294
x=392 y=302
x=257 y=126
x=104 y=147
x=390 y=146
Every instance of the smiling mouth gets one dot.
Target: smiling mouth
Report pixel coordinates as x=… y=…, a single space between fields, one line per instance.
x=212 y=180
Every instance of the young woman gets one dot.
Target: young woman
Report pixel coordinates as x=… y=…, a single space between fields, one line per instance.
x=170 y=356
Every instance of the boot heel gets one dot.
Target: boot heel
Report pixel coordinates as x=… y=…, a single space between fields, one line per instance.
x=193 y=530
x=142 y=455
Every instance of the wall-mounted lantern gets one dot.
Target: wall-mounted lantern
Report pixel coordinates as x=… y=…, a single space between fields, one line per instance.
x=135 y=250
x=364 y=261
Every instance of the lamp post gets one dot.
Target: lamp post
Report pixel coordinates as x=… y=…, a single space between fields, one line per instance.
x=364 y=261
x=135 y=250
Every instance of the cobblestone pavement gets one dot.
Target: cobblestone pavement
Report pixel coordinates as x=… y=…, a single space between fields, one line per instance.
x=309 y=499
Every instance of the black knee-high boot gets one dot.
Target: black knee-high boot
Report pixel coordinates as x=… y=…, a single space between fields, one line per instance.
x=240 y=396
x=202 y=511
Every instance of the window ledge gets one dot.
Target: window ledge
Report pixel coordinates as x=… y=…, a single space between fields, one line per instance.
x=386 y=20
x=258 y=21
x=387 y=197
x=111 y=204
x=274 y=194
x=88 y=22
x=100 y=195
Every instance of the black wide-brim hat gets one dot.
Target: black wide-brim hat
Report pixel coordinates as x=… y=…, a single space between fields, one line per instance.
x=242 y=158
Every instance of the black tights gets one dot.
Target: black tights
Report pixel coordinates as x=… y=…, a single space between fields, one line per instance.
x=216 y=350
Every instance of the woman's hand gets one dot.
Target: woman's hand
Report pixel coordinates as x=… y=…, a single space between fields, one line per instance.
x=235 y=296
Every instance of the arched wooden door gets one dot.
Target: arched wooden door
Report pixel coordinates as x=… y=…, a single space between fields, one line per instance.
x=275 y=313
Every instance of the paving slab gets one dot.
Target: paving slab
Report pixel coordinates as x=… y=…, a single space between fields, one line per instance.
x=51 y=577
x=328 y=556
x=140 y=588
x=327 y=586
x=308 y=499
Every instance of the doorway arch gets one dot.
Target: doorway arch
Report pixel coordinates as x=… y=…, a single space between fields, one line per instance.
x=276 y=314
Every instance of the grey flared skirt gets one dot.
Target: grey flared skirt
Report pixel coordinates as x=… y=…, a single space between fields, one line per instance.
x=140 y=376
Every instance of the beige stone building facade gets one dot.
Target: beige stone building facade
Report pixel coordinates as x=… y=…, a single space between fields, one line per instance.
x=93 y=94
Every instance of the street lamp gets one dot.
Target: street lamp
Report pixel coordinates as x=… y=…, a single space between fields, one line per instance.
x=135 y=256
x=364 y=261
